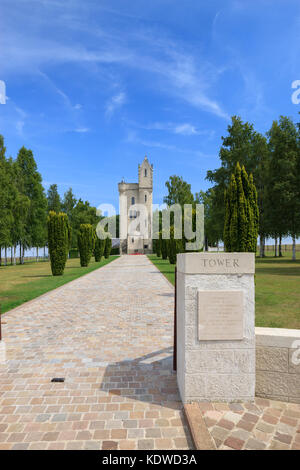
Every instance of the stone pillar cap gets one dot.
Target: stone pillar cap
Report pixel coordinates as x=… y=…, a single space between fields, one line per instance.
x=216 y=263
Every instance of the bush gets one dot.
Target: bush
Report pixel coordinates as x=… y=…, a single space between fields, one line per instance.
x=59 y=235
x=173 y=247
x=73 y=253
x=158 y=246
x=115 y=251
x=99 y=249
x=164 y=248
x=86 y=243
x=107 y=248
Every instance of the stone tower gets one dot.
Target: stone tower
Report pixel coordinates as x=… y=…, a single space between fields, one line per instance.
x=135 y=201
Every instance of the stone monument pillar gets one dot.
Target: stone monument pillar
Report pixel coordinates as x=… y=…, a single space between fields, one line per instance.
x=215 y=327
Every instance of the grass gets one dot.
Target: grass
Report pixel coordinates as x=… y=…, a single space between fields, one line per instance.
x=21 y=283
x=277 y=290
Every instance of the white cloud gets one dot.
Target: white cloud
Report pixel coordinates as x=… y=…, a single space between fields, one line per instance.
x=82 y=130
x=114 y=103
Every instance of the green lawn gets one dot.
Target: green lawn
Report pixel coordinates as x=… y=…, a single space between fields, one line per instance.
x=21 y=283
x=277 y=288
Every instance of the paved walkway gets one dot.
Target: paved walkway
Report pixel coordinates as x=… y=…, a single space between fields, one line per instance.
x=262 y=425
x=110 y=335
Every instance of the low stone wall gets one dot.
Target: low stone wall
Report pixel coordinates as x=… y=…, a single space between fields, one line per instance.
x=278 y=364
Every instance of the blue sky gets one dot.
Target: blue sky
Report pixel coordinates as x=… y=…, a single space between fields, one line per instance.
x=95 y=85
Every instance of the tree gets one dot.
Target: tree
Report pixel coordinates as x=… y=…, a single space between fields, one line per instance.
x=173 y=247
x=164 y=248
x=108 y=245
x=179 y=192
x=86 y=243
x=241 y=213
x=82 y=213
x=158 y=246
x=58 y=241
x=211 y=217
x=54 y=201
x=7 y=189
x=283 y=180
x=30 y=185
x=99 y=249
x=248 y=147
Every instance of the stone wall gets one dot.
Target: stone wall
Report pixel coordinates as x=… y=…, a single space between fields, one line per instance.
x=277 y=371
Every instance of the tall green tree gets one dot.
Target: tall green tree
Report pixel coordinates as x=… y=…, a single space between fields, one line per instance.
x=86 y=243
x=179 y=191
x=244 y=145
x=58 y=241
x=283 y=180
x=53 y=198
x=241 y=213
x=30 y=185
x=6 y=200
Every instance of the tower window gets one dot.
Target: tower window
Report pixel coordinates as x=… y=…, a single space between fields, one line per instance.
x=145 y=197
x=132 y=200
x=145 y=172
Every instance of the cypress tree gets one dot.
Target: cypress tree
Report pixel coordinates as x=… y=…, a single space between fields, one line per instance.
x=86 y=242
x=158 y=246
x=58 y=241
x=164 y=248
x=172 y=245
x=99 y=249
x=107 y=248
x=241 y=213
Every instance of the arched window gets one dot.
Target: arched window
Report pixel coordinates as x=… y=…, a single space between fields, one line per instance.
x=145 y=197
x=145 y=172
x=132 y=201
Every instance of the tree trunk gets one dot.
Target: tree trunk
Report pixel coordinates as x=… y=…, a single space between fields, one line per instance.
x=280 y=247
x=11 y=255
x=15 y=255
x=276 y=246
x=23 y=251
x=20 y=253
x=37 y=253
x=5 y=256
x=294 y=248
x=44 y=252
x=261 y=246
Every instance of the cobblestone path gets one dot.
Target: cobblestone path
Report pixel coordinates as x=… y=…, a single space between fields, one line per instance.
x=110 y=335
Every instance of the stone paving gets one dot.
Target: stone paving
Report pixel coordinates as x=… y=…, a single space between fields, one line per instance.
x=262 y=425
x=110 y=335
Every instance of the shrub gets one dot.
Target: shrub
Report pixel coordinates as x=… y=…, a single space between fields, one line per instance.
x=173 y=247
x=107 y=248
x=164 y=248
x=99 y=249
x=158 y=246
x=73 y=253
x=86 y=243
x=59 y=235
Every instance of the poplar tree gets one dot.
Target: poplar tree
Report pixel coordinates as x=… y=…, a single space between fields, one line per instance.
x=241 y=213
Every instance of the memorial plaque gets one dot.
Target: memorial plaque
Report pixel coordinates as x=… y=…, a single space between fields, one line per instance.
x=220 y=315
